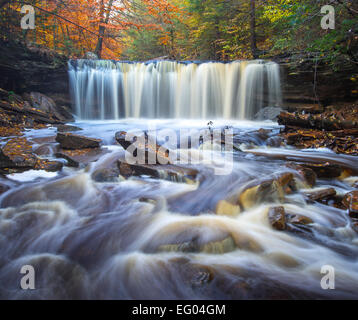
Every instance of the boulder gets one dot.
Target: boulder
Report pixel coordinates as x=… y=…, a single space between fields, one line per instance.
x=277 y=218
x=81 y=157
x=74 y=141
x=48 y=106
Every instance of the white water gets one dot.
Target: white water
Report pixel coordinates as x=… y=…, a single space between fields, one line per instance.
x=103 y=89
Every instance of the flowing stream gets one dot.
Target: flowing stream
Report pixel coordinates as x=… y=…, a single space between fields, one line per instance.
x=162 y=238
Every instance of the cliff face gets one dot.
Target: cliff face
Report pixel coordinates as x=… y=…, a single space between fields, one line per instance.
x=25 y=69
x=303 y=84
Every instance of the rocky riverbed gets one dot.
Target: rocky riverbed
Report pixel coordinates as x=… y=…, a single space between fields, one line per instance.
x=95 y=226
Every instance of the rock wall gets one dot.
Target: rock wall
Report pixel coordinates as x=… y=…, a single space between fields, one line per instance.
x=330 y=87
x=26 y=69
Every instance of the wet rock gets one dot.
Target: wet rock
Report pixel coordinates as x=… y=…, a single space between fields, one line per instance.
x=106 y=175
x=212 y=247
x=277 y=218
x=74 y=141
x=152 y=152
x=43 y=150
x=298 y=219
x=275 y=142
x=225 y=208
x=51 y=166
x=81 y=157
x=350 y=201
x=307 y=174
x=167 y=172
x=320 y=195
x=70 y=161
x=67 y=128
x=17 y=156
x=324 y=170
x=3 y=188
x=269 y=190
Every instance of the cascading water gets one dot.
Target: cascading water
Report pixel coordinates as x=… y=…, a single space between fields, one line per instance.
x=103 y=89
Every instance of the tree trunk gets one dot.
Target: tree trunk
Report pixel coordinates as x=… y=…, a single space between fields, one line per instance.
x=253 y=29
x=104 y=19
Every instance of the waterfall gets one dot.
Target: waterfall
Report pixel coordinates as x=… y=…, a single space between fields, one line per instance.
x=104 y=89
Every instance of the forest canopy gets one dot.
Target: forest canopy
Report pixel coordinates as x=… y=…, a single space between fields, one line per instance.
x=187 y=29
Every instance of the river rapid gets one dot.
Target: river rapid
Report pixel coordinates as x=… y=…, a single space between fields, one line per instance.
x=147 y=238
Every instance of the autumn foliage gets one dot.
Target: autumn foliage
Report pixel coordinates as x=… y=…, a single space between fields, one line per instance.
x=78 y=26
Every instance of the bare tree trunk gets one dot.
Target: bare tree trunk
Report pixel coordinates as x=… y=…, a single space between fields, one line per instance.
x=253 y=29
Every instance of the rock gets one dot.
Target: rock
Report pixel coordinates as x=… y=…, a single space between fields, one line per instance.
x=225 y=208
x=70 y=161
x=121 y=139
x=298 y=219
x=17 y=156
x=307 y=174
x=167 y=172
x=350 y=201
x=43 y=150
x=152 y=153
x=3 y=188
x=268 y=113
x=325 y=170
x=81 y=157
x=73 y=141
x=320 y=194
x=277 y=218
x=275 y=142
x=67 y=128
x=48 y=106
x=106 y=175
x=51 y=166
x=268 y=190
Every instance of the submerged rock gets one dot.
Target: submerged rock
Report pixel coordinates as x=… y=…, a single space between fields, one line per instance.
x=225 y=208
x=74 y=141
x=298 y=219
x=268 y=190
x=105 y=175
x=277 y=218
